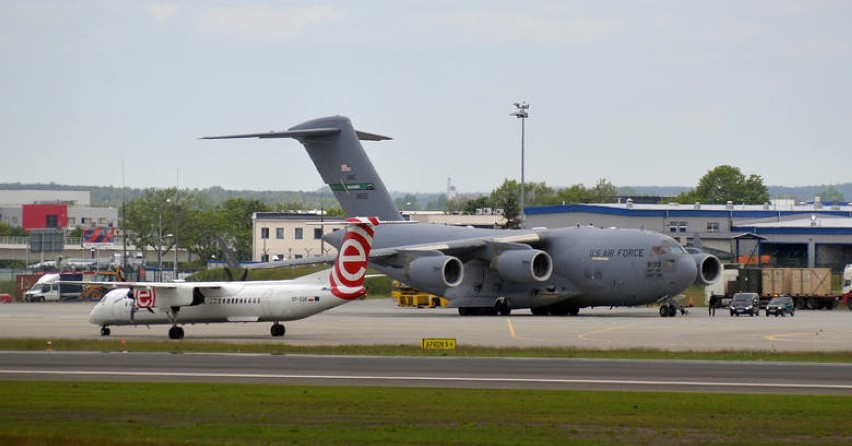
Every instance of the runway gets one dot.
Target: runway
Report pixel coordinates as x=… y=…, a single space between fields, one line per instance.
x=445 y=372
x=381 y=322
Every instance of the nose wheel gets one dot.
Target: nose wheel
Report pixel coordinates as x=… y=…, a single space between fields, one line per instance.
x=176 y=332
x=105 y=331
x=277 y=330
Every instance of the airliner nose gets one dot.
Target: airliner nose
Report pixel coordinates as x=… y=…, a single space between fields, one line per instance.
x=96 y=316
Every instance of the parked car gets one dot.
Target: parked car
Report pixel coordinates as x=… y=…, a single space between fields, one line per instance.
x=5 y=298
x=781 y=305
x=745 y=303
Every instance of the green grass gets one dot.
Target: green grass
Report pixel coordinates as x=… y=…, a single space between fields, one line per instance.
x=60 y=413
x=187 y=346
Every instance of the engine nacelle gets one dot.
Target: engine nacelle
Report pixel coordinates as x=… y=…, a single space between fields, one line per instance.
x=523 y=265
x=709 y=268
x=435 y=272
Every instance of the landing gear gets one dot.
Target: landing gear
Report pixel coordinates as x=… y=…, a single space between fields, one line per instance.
x=176 y=332
x=277 y=330
x=560 y=309
x=671 y=309
x=477 y=311
x=105 y=331
x=503 y=306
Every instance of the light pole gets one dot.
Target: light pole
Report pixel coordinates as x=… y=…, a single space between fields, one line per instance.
x=522 y=114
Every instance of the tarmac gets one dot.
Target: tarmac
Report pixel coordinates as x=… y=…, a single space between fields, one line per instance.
x=381 y=322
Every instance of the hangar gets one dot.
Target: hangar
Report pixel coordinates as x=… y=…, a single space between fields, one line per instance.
x=781 y=233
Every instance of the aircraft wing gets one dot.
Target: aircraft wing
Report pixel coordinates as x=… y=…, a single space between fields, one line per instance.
x=305 y=261
x=161 y=294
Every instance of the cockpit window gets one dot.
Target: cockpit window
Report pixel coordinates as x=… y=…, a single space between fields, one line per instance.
x=667 y=248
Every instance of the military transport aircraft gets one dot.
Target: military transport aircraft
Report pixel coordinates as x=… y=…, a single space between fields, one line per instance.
x=490 y=271
x=150 y=303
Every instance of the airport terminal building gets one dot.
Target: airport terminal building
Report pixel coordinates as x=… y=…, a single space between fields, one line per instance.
x=781 y=234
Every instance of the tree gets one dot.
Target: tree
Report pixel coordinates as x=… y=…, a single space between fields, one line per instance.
x=506 y=197
x=603 y=192
x=727 y=183
x=831 y=195
x=6 y=230
x=153 y=220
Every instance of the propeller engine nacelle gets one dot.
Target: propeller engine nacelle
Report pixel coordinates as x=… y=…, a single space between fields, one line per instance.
x=709 y=268
x=523 y=265
x=435 y=272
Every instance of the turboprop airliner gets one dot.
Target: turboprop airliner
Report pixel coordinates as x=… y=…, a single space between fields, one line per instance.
x=180 y=303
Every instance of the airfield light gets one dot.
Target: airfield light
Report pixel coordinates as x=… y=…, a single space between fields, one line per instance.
x=522 y=114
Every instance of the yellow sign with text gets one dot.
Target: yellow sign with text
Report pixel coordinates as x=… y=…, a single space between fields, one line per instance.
x=438 y=344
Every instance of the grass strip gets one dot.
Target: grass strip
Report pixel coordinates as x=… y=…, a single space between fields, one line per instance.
x=60 y=413
x=187 y=346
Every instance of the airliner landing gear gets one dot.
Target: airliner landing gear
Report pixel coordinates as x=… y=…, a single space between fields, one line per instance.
x=105 y=331
x=176 y=332
x=277 y=330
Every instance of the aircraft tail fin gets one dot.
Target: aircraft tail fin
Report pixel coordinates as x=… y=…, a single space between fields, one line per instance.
x=350 y=269
x=335 y=149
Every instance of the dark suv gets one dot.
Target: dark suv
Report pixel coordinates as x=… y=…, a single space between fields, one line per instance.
x=781 y=305
x=745 y=303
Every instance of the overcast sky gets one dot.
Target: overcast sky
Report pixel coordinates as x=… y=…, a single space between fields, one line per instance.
x=641 y=93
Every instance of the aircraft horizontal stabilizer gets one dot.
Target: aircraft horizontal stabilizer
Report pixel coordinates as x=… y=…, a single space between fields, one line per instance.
x=302 y=134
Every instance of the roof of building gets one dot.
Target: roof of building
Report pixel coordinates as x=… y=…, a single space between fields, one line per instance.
x=698 y=209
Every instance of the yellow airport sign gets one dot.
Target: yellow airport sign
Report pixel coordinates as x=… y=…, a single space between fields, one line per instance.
x=438 y=344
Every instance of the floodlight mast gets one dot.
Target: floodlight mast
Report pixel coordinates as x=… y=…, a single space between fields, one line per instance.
x=522 y=114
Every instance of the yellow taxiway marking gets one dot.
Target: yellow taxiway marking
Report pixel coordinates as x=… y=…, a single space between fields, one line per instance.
x=589 y=335
x=511 y=328
x=812 y=335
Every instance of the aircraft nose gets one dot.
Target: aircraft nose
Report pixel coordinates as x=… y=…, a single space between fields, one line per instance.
x=687 y=271
x=96 y=315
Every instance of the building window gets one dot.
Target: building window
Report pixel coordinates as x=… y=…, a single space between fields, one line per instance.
x=678 y=226
x=52 y=221
x=299 y=235
x=264 y=233
x=101 y=220
x=298 y=256
x=712 y=226
x=279 y=233
x=71 y=221
x=317 y=233
x=84 y=220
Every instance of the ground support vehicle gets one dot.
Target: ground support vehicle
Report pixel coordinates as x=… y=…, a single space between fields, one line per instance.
x=406 y=296
x=48 y=289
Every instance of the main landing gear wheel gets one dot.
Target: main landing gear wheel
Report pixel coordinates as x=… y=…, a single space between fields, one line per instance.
x=105 y=331
x=176 y=332
x=668 y=311
x=277 y=330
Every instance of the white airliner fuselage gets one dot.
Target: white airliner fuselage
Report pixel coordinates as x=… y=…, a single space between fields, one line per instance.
x=179 y=303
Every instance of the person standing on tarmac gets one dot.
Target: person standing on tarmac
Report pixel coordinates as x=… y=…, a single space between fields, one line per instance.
x=714 y=302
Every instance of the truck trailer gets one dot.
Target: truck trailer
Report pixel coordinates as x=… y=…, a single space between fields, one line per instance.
x=810 y=288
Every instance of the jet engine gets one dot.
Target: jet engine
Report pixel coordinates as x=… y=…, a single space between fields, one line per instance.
x=709 y=268
x=435 y=272
x=523 y=265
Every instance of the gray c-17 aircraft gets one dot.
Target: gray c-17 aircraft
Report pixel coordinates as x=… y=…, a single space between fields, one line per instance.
x=493 y=271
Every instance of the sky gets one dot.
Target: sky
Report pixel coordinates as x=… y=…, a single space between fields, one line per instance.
x=640 y=93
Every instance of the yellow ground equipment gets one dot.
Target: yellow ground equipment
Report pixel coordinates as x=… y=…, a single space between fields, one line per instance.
x=409 y=297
